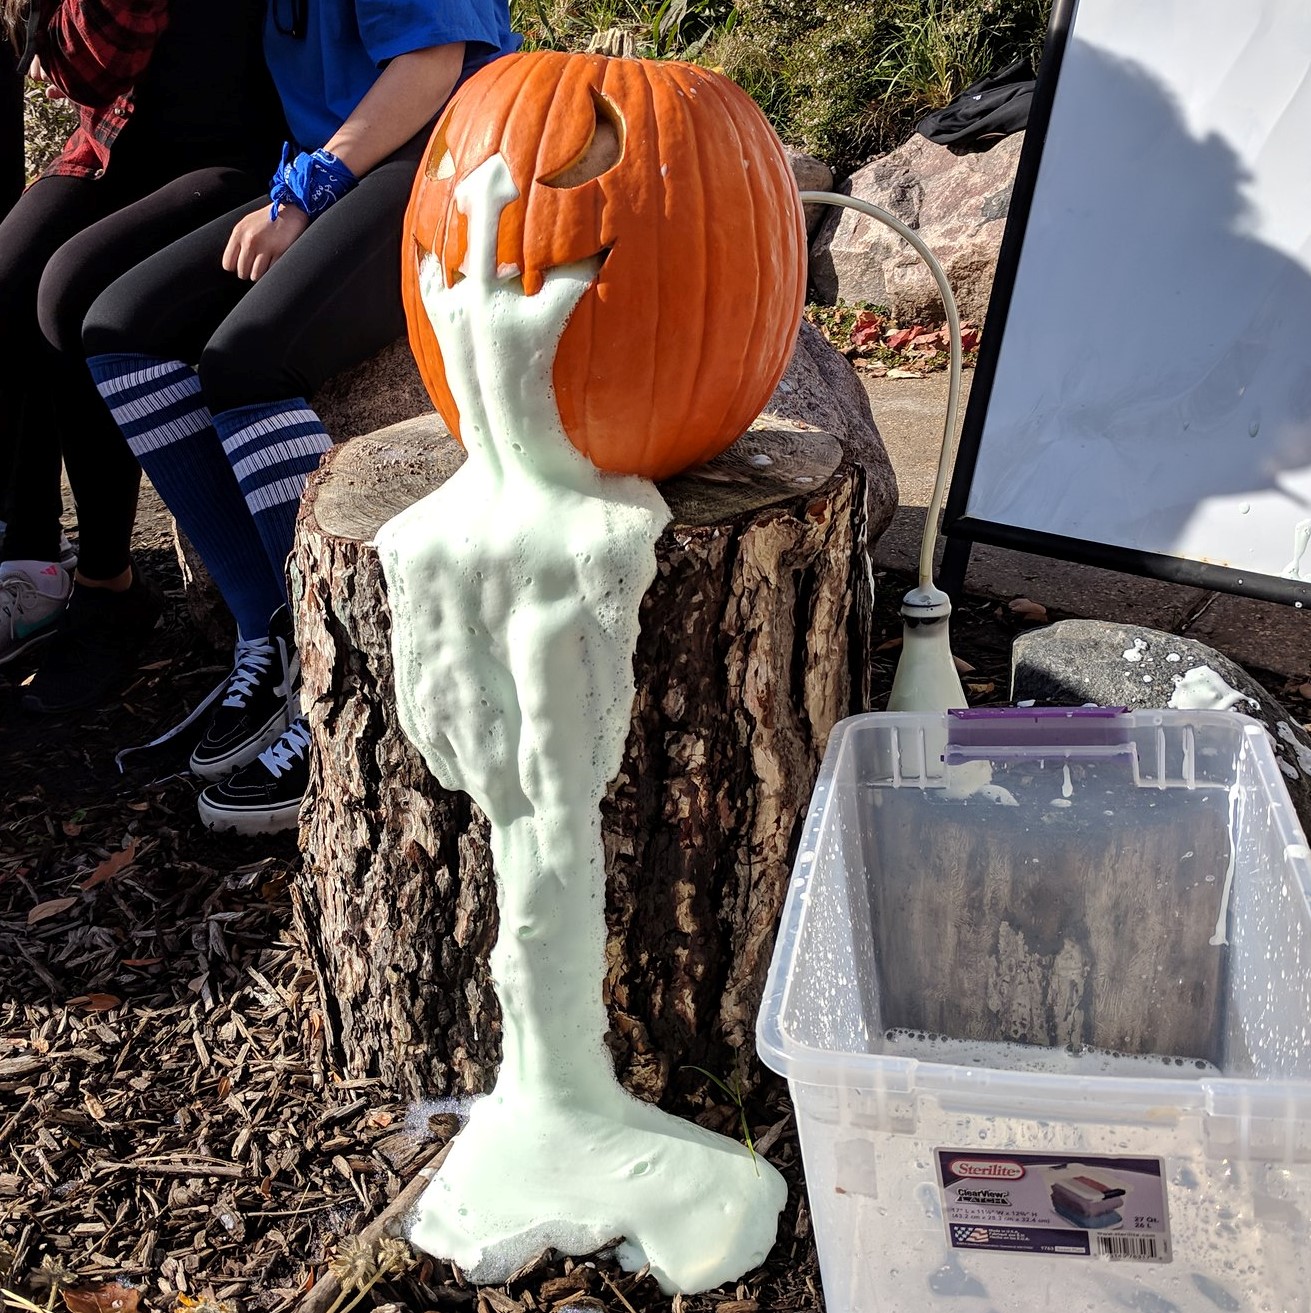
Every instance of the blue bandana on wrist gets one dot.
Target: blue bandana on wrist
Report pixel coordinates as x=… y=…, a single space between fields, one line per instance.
x=311 y=182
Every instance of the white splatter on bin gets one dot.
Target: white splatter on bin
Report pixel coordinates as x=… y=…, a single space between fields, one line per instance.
x=1044 y=1007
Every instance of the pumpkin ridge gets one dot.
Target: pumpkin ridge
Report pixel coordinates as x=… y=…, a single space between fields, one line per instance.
x=697 y=271
x=776 y=204
x=723 y=276
x=539 y=101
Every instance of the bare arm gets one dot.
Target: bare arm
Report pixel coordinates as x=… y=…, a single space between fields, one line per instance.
x=408 y=92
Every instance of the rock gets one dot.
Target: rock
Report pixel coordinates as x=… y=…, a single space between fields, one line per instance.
x=1078 y=661
x=818 y=388
x=383 y=390
x=958 y=205
x=811 y=175
x=206 y=608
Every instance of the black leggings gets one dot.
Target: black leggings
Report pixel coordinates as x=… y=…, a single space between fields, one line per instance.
x=329 y=303
x=11 y=187
x=63 y=242
x=11 y=134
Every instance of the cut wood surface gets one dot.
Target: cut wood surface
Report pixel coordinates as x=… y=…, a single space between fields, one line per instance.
x=754 y=642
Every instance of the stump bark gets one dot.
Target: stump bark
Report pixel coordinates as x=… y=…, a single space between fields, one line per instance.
x=754 y=642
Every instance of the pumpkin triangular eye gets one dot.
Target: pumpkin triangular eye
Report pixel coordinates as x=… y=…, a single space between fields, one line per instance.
x=440 y=163
x=602 y=152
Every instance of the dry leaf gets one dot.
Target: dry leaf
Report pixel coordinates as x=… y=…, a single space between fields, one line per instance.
x=1304 y=690
x=111 y=866
x=904 y=373
x=962 y=665
x=142 y=961
x=903 y=337
x=889 y=643
x=1028 y=610
x=109 y=1298
x=71 y=828
x=99 y=1002
x=43 y=911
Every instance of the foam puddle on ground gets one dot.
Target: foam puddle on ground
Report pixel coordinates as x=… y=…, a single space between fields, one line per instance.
x=514 y=591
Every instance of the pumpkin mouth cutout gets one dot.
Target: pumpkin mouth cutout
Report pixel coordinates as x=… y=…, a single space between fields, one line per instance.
x=603 y=151
x=421 y=254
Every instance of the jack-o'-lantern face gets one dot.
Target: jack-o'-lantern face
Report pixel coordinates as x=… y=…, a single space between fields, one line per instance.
x=674 y=176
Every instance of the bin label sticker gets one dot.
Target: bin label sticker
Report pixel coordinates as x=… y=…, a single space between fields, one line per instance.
x=1043 y=1203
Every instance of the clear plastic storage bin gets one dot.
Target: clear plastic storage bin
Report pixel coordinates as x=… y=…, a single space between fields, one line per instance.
x=1042 y=994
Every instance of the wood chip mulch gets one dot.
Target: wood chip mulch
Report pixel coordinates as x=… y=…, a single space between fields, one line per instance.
x=170 y=1138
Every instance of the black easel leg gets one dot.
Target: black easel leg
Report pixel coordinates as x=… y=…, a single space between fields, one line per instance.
x=955 y=561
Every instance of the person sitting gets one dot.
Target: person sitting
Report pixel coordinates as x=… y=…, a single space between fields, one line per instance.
x=207 y=352
x=164 y=88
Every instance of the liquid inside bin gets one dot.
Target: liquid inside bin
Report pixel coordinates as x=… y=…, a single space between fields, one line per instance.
x=1096 y=954
x=1079 y=917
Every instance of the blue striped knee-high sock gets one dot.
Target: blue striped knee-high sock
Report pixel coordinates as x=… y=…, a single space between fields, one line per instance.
x=158 y=406
x=274 y=447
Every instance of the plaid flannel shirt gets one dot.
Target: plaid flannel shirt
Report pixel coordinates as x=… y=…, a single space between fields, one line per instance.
x=94 y=51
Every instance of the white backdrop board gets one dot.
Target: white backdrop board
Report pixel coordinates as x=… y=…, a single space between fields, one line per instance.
x=1143 y=397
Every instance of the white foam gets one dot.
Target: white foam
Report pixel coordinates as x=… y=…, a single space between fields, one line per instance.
x=1201 y=689
x=1221 y=935
x=1300 y=750
x=515 y=590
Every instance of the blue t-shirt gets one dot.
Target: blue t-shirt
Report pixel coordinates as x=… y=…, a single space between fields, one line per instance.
x=323 y=75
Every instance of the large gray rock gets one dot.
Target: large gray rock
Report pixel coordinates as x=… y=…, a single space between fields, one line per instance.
x=819 y=388
x=1079 y=661
x=811 y=175
x=957 y=203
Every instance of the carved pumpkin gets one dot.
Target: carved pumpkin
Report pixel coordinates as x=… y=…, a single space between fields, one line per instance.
x=675 y=175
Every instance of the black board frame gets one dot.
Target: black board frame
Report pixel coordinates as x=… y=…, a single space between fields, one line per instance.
x=962 y=530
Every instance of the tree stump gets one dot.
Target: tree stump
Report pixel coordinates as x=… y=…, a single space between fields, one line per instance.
x=754 y=642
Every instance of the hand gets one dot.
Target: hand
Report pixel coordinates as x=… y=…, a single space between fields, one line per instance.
x=257 y=243
x=38 y=74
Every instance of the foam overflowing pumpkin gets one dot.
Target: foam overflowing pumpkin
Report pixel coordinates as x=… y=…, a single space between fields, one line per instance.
x=674 y=176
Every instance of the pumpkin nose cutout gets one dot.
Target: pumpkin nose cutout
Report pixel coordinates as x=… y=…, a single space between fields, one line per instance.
x=602 y=152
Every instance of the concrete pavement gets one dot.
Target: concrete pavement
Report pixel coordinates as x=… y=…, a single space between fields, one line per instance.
x=909 y=414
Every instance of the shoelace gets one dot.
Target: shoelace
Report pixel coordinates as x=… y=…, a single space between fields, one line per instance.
x=252 y=658
x=290 y=665
x=16 y=594
x=278 y=757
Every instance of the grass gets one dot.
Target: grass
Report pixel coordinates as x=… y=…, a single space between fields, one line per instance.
x=843 y=79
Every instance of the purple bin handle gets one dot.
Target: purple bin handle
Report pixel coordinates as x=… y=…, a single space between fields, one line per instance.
x=974 y=732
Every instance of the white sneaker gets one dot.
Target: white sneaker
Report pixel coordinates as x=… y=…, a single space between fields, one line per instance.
x=33 y=595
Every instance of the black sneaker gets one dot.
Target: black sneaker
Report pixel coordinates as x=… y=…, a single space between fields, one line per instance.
x=257 y=704
x=264 y=797
x=95 y=649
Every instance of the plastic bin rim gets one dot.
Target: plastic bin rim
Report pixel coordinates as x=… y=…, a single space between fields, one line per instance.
x=1207 y=1092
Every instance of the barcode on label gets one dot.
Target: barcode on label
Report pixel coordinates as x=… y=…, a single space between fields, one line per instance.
x=1128 y=1246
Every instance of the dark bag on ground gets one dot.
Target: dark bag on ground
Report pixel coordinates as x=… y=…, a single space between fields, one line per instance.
x=984 y=113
